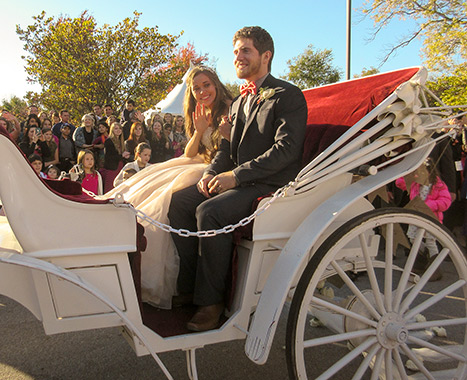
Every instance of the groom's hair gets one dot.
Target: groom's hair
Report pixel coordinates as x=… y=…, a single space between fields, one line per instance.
x=262 y=40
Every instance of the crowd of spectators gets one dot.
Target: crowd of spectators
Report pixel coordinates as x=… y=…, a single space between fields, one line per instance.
x=96 y=149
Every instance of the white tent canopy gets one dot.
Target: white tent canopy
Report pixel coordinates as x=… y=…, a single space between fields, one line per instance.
x=173 y=103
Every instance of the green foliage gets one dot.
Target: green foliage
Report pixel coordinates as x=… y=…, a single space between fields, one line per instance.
x=366 y=72
x=234 y=88
x=440 y=24
x=79 y=64
x=451 y=89
x=312 y=68
x=15 y=105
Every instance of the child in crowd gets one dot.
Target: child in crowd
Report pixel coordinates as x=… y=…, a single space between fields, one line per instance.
x=129 y=107
x=168 y=118
x=137 y=136
x=98 y=143
x=66 y=148
x=52 y=172
x=142 y=156
x=115 y=156
x=169 y=136
x=434 y=192
x=159 y=143
x=85 y=172
x=128 y=173
x=179 y=138
x=36 y=163
x=51 y=141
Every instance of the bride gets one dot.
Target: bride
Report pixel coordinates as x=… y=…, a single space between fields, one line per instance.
x=206 y=103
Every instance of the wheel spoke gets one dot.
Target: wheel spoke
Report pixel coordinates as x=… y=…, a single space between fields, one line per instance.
x=400 y=365
x=366 y=362
x=338 y=338
x=341 y=310
x=416 y=361
x=355 y=290
x=423 y=280
x=441 y=350
x=347 y=359
x=389 y=254
x=372 y=275
x=432 y=300
x=408 y=268
x=377 y=366
x=439 y=323
x=388 y=364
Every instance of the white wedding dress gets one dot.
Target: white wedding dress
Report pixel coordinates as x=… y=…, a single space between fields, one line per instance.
x=150 y=190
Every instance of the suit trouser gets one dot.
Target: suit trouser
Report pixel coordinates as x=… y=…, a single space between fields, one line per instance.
x=205 y=262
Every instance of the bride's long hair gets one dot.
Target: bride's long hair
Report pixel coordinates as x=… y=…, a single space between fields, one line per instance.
x=219 y=108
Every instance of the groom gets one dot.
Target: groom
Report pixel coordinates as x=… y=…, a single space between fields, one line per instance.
x=263 y=154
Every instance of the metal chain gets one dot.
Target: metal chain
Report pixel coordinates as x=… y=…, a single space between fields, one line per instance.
x=119 y=201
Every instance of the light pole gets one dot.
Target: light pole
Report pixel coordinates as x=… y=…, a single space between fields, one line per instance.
x=349 y=27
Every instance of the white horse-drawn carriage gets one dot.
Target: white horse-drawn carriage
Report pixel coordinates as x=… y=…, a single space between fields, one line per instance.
x=318 y=241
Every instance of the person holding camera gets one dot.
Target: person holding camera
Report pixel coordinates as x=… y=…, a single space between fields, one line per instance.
x=33 y=142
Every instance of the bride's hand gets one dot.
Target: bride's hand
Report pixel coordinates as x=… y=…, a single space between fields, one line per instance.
x=224 y=127
x=200 y=119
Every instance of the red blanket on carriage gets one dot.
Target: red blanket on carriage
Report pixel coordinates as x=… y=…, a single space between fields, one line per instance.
x=333 y=109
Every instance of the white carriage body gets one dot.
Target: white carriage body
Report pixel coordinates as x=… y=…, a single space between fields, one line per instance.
x=72 y=284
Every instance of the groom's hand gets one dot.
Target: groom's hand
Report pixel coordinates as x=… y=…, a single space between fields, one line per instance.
x=202 y=185
x=222 y=182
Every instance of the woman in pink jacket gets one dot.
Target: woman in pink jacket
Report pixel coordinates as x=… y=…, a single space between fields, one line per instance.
x=436 y=195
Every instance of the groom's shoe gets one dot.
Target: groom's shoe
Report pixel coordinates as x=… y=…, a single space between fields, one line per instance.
x=206 y=318
x=182 y=300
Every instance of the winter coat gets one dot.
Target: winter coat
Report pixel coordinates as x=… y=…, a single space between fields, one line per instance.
x=438 y=200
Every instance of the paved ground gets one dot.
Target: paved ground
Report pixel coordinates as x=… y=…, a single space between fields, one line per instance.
x=27 y=353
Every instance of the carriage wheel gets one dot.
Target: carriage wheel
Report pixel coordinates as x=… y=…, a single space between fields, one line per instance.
x=359 y=311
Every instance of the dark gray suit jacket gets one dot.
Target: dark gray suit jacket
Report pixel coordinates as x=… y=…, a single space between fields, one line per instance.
x=266 y=147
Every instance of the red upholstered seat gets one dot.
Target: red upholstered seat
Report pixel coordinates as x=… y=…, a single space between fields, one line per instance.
x=66 y=189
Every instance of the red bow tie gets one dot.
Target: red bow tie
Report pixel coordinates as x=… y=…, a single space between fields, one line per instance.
x=248 y=88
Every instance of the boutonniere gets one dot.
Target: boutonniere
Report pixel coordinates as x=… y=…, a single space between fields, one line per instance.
x=266 y=93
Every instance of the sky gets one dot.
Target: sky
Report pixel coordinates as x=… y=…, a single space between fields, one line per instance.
x=210 y=25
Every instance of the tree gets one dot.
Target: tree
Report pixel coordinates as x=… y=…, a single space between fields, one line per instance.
x=442 y=27
x=366 y=72
x=451 y=89
x=234 y=88
x=182 y=58
x=312 y=68
x=440 y=24
x=78 y=63
x=180 y=62
x=16 y=106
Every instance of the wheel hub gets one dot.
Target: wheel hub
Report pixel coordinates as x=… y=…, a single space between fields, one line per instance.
x=391 y=331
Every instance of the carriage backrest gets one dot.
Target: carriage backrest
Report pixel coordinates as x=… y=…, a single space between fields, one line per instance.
x=334 y=108
x=44 y=221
